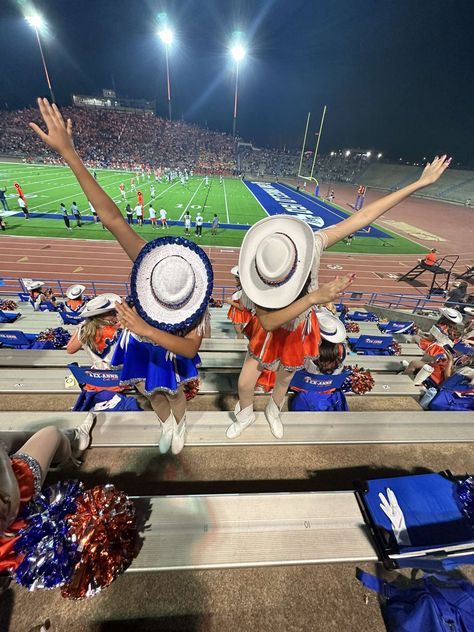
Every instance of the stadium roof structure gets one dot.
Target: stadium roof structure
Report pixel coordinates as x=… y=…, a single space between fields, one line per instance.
x=110 y=101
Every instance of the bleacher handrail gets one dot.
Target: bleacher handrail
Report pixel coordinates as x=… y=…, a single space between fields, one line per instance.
x=413 y=302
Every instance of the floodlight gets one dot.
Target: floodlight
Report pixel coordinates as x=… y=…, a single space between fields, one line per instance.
x=36 y=20
x=238 y=52
x=332 y=153
x=379 y=155
x=347 y=153
x=166 y=35
x=368 y=154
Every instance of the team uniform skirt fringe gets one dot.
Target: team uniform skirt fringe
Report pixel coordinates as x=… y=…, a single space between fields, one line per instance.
x=290 y=350
x=239 y=316
x=159 y=369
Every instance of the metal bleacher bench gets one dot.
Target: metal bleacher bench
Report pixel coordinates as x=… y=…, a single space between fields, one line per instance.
x=51 y=380
x=229 y=361
x=244 y=530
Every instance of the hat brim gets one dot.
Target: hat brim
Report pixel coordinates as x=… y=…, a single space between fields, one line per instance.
x=235 y=271
x=113 y=298
x=456 y=318
x=36 y=285
x=258 y=291
x=339 y=335
x=469 y=310
x=73 y=296
x=157 y=314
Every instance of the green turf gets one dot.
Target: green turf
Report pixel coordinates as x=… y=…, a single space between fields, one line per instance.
x=45 y=187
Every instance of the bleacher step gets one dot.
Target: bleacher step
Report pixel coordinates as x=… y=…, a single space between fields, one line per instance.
x=207 y=429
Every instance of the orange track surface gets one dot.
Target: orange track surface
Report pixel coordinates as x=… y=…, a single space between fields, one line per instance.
x=48 y=259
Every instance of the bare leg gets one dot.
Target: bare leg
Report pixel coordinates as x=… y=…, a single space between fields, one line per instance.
x=238 y=331
x=159 y=402
x=247 y=380
x=283 y=379
x=48 y=445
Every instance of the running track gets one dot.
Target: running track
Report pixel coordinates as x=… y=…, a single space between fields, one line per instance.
x=71 y=259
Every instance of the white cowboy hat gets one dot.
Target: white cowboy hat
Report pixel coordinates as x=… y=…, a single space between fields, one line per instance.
x=35 y=285
x=469 y=311
x=100 y=305
x=75 y=291
x=330 y=327
x=451 y=314
x=171 y=283
x=275 y=260
x=235 y=271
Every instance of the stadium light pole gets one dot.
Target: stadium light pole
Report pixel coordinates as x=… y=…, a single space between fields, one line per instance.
x=238 y=53
x=36 y=21
x=166 y=36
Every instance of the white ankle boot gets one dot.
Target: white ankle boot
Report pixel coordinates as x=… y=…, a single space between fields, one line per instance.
x=166 y=434
x=179 y=435
x=272 y=413
x=244 y=418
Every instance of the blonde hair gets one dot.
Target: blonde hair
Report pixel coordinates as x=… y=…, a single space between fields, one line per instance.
x=90 y=327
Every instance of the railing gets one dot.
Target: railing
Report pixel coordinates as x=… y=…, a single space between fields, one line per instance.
x=412 y=302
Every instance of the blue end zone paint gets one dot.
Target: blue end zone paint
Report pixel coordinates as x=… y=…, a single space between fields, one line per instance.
x=280 y=199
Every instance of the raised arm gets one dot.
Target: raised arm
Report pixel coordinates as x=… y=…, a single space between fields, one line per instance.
x=373 y=211
x=59 y=137
x=186 y=346
x=272 y=319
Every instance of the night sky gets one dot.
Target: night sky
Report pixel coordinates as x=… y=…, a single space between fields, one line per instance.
x=397 y=76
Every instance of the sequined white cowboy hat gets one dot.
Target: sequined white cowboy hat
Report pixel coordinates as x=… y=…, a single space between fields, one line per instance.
x=171 y=283
x=275 y=260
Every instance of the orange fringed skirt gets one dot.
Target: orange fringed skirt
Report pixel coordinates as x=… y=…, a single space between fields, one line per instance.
x=9 y=559
x=239 y=316
x=290 y=350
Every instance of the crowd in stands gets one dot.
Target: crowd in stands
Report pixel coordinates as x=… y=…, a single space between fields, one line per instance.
x=129 y=140
x=123 y=140
x=333 y=167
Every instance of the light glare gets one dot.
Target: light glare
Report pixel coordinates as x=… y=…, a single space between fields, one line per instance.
x=368 y=154
x=347 y=153
x=35 y=20
x=166 y=36
x=379 y=155
x=238 y=52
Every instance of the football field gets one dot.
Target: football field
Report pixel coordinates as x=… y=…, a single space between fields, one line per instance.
x=236 y=204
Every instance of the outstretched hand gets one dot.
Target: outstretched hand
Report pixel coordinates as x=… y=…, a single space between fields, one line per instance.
x=329 y=292
x=59 y=135
x=434 y=170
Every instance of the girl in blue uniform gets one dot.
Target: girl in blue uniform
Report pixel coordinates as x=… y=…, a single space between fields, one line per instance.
x=170 y=286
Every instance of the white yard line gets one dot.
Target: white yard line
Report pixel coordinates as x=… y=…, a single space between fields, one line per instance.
x=52 y=203
x=225 y=200
x=192 y=198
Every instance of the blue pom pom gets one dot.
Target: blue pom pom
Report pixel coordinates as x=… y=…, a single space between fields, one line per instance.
x=50 y=556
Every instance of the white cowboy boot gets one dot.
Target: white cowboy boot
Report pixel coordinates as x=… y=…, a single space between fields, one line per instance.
x=272 y=413
x=179 y=435
x=166 y=434
x=244 y=418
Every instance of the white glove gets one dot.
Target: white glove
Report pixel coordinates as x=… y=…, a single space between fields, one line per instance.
x=392 y=510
